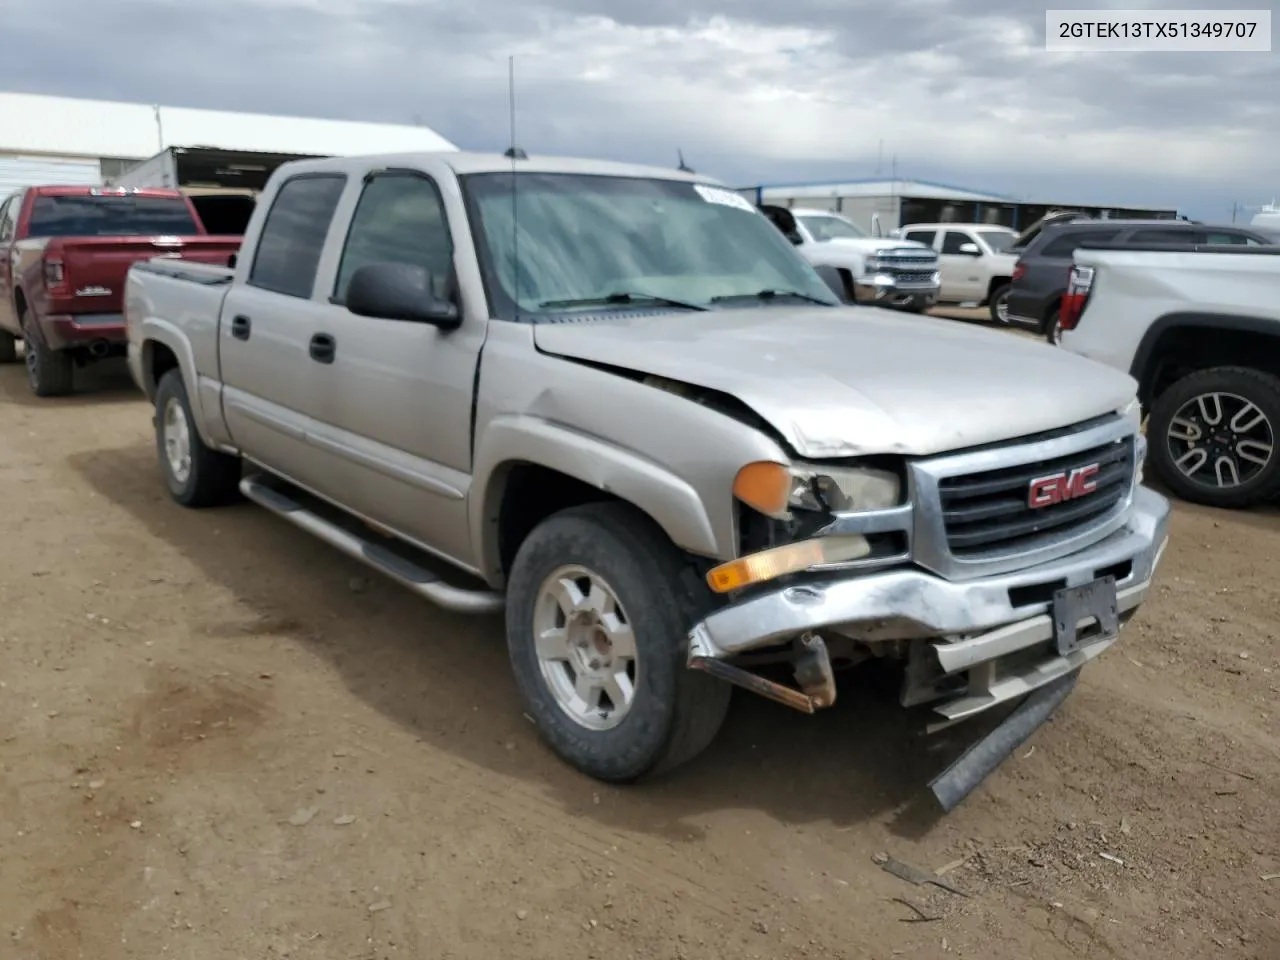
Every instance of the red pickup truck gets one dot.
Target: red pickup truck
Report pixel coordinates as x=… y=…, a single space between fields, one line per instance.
x=64 y=254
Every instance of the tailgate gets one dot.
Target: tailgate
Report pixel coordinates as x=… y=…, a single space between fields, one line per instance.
x=94 y=269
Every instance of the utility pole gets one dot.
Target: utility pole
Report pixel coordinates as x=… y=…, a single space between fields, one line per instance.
x=1234 y=207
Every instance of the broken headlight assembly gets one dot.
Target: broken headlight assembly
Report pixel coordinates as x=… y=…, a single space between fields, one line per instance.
x=787 y=510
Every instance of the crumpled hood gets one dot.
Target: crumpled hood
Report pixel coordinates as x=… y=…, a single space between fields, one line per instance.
x=853 y=381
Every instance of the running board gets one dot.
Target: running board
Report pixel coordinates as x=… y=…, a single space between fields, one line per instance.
x=421 y=581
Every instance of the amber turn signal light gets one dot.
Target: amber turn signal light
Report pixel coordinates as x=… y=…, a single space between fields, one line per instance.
x=779 y=561
x=764 y=486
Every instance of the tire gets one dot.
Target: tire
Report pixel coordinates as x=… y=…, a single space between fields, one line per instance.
x=999 y=304
x=1053 y=328
x=1246 y=413
x=50 y=373
x=8 y=347
x=675 y=712
x=211 y=478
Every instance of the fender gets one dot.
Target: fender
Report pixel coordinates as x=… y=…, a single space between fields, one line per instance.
x=508 y=440
x=203 y=393
x=1141 y=369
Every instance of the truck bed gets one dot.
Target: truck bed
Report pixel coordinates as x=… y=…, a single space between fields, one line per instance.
x=163 y=289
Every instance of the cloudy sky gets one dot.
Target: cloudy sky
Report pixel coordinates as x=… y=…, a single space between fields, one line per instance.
x=752 y=90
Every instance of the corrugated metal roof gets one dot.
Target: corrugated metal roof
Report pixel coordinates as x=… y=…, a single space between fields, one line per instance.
x=878 y=187
x=34 y=124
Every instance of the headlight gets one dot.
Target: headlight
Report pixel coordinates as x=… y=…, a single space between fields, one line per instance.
x=774 y=488
x=843 y=489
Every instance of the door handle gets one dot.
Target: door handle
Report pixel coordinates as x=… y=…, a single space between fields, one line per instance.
x=323 y=348
x=240 y=327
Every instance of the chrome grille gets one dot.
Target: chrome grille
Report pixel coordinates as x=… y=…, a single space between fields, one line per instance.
x=990 y=511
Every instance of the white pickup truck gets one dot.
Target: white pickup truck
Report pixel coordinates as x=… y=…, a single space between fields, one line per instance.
x=614 y=403
x=974 y=261
x=878 y=271
x=1199 y=329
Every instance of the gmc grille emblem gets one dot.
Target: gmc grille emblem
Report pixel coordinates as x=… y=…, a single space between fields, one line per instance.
x=1061 y=487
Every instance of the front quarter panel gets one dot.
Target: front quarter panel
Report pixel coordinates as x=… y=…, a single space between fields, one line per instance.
x=669 y=456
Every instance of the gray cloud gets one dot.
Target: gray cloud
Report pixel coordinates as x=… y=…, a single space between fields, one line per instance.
x=953 y=63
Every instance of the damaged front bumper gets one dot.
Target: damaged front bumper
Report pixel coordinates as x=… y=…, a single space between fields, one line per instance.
x=972 y=644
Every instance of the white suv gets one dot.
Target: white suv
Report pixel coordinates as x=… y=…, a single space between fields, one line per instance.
x=974 y=261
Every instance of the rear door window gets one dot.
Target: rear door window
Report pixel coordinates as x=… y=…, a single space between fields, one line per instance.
x=87 y=215
x=1062 y=247
x=1219 y=238
x=293 y=235
x=1160 y=235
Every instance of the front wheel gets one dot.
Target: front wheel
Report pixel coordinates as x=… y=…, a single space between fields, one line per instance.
x=196 y=475
x=1213 y=437
x=999 y=305
x=599 y=605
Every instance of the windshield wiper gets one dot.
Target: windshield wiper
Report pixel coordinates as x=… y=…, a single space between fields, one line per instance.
x=767 y=295
x=622 y=297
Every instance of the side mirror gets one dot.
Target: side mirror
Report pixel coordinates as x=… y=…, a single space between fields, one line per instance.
x=399 y=291
x=795 y=238
x=970 y=250
x=834 y=279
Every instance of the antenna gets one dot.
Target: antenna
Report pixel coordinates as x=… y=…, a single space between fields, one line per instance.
x=515 y=153
x=684 y=167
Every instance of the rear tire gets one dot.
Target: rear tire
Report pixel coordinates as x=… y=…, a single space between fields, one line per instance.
x=1053 y=328
x=50 y=373
x=8 y=347
x=615 y=557
x=999 y=305
x=196 y=475
x=1231 y=415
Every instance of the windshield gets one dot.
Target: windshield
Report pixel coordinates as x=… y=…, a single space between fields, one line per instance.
x=831 y=228
x=86 y=215
x=999 y=240
x=584 y=240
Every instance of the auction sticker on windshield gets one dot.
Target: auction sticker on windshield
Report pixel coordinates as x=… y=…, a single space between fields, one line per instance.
x=723 y=197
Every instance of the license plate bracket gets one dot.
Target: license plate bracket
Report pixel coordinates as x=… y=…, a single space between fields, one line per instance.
x=1085 y=614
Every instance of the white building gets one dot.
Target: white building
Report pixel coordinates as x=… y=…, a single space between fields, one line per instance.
x=58 y=140
x=895 y=203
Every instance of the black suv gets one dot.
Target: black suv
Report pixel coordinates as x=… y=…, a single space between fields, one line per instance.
x=1040 y=275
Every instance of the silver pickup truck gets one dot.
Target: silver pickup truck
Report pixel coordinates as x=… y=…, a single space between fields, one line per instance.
x=615 y=402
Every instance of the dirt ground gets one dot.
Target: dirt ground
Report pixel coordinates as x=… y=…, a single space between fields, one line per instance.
x=220 y=740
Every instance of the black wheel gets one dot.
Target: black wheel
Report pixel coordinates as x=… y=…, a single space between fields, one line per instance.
x=8 y=347
x=999 y=305
x=1053 y=328
x=1213 y=437
x=196 y=475
x=599 y=605
x=50 y=373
